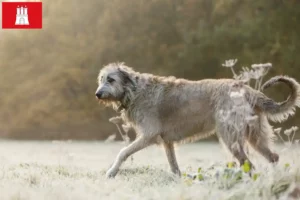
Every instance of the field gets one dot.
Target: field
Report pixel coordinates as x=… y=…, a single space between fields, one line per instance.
x=76 y=170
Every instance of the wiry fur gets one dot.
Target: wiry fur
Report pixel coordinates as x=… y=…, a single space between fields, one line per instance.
x=170 y=110
x=279 y=112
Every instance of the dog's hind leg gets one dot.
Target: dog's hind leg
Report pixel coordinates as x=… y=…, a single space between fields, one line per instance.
x=237 y=150
x=234 y=141
x=169 y=149
x=260 y=145
x=140 y=143
x=259 y=142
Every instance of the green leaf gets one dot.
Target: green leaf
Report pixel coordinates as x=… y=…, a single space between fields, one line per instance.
x=231 y=164
x=287 y=165
x=255 y=176
x=227 y=173
x=199 y=169
x=280 y=187
x=200 y=177
x=238 y=175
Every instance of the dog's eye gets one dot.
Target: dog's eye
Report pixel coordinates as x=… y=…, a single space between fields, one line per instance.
x=110 y=80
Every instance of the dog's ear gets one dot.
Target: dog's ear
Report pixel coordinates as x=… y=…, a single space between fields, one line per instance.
x=127 y=78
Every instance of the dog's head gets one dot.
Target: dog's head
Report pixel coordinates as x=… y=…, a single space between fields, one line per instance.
x=114 y=82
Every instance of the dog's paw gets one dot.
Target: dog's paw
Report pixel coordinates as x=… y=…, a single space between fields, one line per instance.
x=111 y=173
x=274 y=158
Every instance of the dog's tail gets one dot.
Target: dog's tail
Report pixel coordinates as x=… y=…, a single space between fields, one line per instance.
x=279 y=111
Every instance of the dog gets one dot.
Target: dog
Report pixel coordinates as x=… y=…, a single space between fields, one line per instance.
x=168 y=110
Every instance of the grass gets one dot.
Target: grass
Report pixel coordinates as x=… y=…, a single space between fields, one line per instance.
x=76 y=170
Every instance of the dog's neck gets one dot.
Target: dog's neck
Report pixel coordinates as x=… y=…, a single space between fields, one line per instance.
x=125 y=102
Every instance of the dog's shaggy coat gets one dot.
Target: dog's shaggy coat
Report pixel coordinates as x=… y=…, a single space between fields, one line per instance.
x=168 y=110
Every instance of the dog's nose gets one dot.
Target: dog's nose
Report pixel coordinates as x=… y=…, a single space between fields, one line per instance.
x=99 y=94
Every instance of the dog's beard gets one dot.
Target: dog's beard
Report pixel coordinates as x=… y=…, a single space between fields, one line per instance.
x=116 y=105
x=106 y=102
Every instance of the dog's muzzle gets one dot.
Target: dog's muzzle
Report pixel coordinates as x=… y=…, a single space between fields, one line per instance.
x=99 y=94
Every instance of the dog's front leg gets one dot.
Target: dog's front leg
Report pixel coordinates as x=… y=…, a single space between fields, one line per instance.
x=169 y=149
x=140 y=143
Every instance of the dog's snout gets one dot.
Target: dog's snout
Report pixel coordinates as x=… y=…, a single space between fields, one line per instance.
x=99 y=94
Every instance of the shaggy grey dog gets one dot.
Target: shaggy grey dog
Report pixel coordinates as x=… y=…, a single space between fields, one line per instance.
x=167 y=110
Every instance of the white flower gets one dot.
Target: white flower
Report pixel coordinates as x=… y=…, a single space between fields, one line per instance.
x=116 y=120
x=230 y=63
x=256 y=74
x=288 y=132
x=277 y=130
x=295 y=128
x=246 y=76
x=261 y=65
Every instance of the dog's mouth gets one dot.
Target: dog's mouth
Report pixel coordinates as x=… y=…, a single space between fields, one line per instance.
x=106 y=98
x=106 y=102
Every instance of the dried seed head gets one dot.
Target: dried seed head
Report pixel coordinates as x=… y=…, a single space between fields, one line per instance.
x=295 y=128
x=262 y=65
x=229 y=63
x=116 y=120
x=277 y=130
x=288 y=132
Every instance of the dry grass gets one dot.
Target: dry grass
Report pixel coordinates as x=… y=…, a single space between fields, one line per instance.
x=76 y=170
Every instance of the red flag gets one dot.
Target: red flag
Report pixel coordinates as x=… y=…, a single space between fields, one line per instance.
x=21 y=15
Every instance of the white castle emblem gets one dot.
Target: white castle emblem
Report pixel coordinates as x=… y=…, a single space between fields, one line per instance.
x=22 y=16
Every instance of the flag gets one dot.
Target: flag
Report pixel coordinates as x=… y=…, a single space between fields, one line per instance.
x=21 y=15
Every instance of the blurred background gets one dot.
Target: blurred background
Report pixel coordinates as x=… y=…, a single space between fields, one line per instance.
x=48 y=76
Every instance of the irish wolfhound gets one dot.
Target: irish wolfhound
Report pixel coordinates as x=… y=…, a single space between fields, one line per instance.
x=167 y=110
